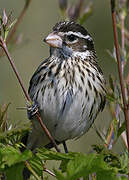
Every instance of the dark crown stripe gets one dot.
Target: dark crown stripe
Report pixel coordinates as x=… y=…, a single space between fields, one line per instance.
x=66 y=26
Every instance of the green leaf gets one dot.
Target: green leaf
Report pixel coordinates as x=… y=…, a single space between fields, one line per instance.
x=63 y=165
x=106 y=175
x=83 y=165
x=111 y=97
x=37 y=165
x=111 y=83
x=10 y=156
x=124 y=160
x=105 y=164
x=123 y=178
x=121 y=129
x=115 y=122
x=46 y=154
x=14 y=134
x=6 y=34
x=15 y=172
x=59 y=175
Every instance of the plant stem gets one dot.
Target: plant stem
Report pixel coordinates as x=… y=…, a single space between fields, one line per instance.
x=13 y=30
x=125 y=108
x=31 y=170
x=4 y=46
x=123 y=40
x=49 y=172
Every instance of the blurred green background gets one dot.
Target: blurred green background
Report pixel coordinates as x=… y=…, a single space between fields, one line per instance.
x=37 y=23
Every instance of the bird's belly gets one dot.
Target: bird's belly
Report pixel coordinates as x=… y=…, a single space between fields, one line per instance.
x=66 y=114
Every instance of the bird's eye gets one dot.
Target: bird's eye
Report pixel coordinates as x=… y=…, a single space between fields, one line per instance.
x=71 y=37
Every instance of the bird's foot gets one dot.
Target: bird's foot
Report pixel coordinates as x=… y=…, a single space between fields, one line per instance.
x=32 y=109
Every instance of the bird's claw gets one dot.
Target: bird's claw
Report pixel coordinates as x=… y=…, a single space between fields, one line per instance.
x=32 y=110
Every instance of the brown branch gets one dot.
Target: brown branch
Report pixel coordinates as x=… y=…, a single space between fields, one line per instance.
x=122 y=17
x=120 y=69
x=122 y=32
x=110 y=136
x=4 y=47
x=22 y=14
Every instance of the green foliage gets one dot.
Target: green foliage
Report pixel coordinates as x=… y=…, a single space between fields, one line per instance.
x=12 y=161
x=104 y=163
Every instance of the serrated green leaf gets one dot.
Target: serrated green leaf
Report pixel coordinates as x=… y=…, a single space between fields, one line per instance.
x=83 y=165
x=10 y=156
x=77 y=165
x=46 y=154
x=37 y=165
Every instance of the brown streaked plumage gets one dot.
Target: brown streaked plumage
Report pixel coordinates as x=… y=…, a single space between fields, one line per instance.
x=68 y=86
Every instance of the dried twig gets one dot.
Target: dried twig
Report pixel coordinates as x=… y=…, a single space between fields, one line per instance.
x=125 y=108
x=4 y=47
x=49 y=172
x=13 y=31
x=22 y=14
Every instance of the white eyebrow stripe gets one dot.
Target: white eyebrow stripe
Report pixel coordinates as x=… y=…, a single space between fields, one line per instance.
x=79 y=35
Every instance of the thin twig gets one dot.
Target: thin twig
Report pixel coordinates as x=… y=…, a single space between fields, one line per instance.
x=109 y=138
x=3 y=45
x=120 y=69
x=122 y=40
x=13 y=30
x=49 y=172
x=22 y=14
x=122 y=18
x=122 y=32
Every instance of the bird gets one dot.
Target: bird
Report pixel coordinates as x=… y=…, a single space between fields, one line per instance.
x=68 y=87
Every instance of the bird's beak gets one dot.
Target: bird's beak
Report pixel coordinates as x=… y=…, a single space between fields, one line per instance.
x=54 y=40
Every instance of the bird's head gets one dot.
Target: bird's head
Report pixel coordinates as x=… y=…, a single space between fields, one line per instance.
x=71 y=39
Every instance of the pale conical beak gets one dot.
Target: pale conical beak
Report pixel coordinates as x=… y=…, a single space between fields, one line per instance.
x=53 y=40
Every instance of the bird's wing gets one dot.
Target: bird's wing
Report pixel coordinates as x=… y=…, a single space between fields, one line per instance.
x=37 y=77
